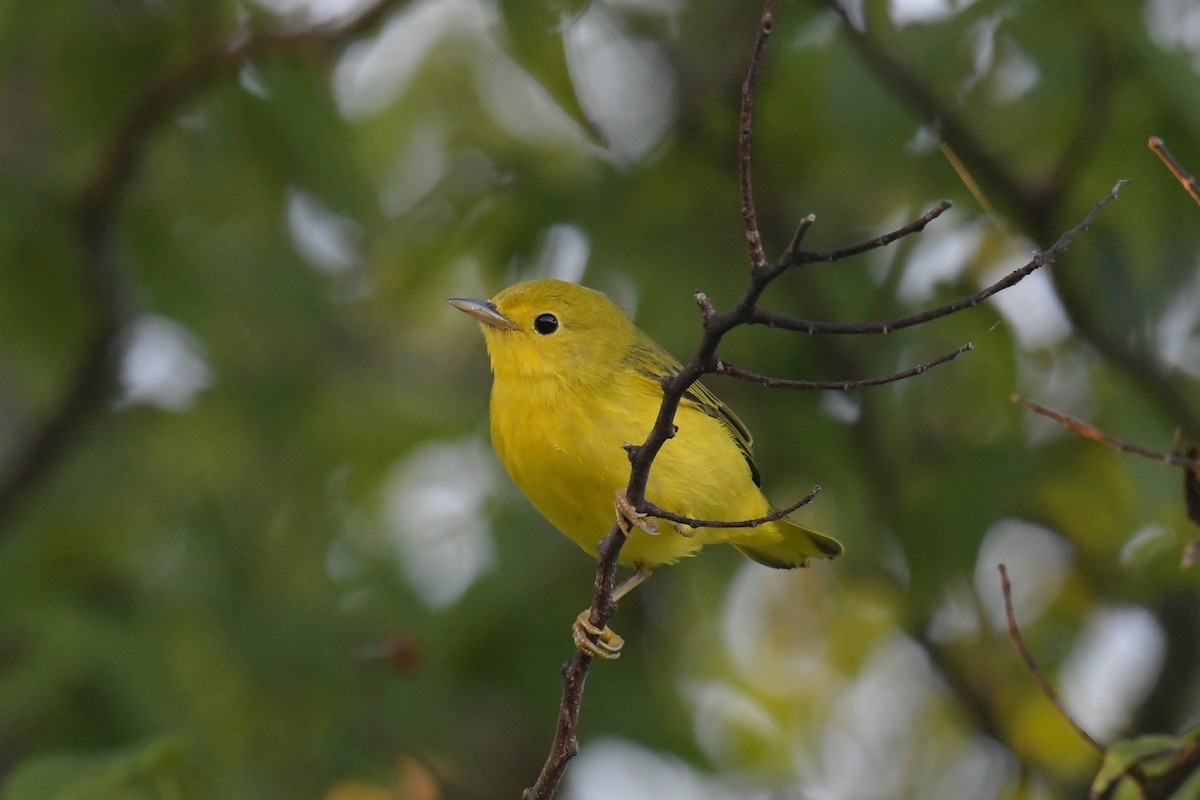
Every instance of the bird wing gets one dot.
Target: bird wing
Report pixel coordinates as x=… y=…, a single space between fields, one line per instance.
x=655 y=363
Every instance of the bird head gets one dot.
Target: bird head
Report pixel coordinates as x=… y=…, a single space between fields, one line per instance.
x=550 y=327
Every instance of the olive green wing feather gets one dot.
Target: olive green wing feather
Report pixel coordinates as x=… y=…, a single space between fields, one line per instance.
x=797 y=543
x=655 y=363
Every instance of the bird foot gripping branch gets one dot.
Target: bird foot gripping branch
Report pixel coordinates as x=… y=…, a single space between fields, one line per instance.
x=629 y=517
x=604 y=642
x=596 y=642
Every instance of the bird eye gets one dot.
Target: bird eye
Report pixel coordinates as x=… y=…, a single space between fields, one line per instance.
x=545 y=324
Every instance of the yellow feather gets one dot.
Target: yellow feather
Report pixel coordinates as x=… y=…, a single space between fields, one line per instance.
x=574 y=380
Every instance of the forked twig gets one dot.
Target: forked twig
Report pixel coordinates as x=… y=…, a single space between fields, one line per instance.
x=839 y=253
x=1014 y=633
x=764 y=317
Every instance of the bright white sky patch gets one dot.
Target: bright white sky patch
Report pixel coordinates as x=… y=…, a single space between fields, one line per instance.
x=957 y=616
x=1175 y=24
x=316 y=13
x=868 y=746
x=564 y=253
x=162 y=365
x=1111 y=669
x=434 y=508
x=939 y=256
x=1031 y=308
x=326 y=240
x=1037 y=560
x=616 y=769
x=626 y=86
x=377 y=71
x=1177 y=330
x=905 y=12
x=842 y=406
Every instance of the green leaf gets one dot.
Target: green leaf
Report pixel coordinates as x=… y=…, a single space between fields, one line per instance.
x=1155 y=755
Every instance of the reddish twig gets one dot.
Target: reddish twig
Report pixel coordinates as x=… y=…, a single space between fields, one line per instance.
x=1014 y=633
x=1095 y=434
x=1190 y=185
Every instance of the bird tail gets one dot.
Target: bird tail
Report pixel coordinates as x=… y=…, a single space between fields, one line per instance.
x=783 y=544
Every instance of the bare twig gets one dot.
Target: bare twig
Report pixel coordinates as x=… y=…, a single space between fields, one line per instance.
x=1190 y=185
x=1094 y=433
x=574 y=673
x=763 y=317
x=92 y=381
x=839 y=253
x=1014 y=633
x=646 y=507
x=749 y=218
x=725 y=368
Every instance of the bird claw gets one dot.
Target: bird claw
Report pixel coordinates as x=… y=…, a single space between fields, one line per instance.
x=629 y=517
x=595 y=642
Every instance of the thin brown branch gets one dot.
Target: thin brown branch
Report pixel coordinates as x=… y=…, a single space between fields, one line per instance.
x=837 y=254
x=789 y=256
x=725 y=368
x=1091 y=432
x=91 y=382
x=763 y=317
x=646 y=507
x=1182 y=175
x=1014 y=633
x=574 y=673
x=749 y=218
x=1065 y=240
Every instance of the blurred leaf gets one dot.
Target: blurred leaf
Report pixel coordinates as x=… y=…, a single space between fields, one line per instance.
x=1160 y=759
x=135 y=773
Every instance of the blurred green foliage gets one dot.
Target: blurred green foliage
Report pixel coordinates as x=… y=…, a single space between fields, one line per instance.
x=234 y=581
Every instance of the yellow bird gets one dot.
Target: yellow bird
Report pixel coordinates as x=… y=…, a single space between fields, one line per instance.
x=574 y=381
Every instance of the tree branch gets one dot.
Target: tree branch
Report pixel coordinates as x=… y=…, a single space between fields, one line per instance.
x=646 y=507
x=1188 y=180
x=838 y=253
x=714 y=326
x=725 y=368
x=92 y=382
x=1014 y=633
x=1095 y=434
x=749 y=218
x=772 y=320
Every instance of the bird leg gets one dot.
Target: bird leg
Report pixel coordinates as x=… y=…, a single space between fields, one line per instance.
x=629 y=517
x=604 y=642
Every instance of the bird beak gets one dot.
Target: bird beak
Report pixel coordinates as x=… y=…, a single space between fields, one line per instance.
x=485 y=311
